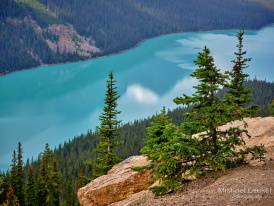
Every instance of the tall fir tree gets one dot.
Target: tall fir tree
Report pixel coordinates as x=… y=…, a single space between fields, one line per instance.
x=69 y=193
x=48 y=181
x=30 y=189
x=55 y=182
x=208 y=110
x=238 y=96
x=108 y=131
x=43 y=189
x=20 y=176
x=13 y=170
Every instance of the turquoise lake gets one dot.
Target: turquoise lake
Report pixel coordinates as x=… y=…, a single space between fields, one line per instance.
x=53 y=104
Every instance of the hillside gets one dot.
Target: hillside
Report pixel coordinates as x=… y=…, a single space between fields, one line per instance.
x=252 y=183
x=38 y=32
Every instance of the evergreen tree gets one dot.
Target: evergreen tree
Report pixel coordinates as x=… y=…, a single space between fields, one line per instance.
x=43 y=189
x=30 y=189
x=69 y=193
x=108 y=131
x=48 y=181
x=165 y=169
x=208 y=110
x=55 y=182
x=20 y=176
x=13 y=170
x=238 y=96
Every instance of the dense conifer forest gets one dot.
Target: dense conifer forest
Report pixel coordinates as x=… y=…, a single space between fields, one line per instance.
x=113 y=25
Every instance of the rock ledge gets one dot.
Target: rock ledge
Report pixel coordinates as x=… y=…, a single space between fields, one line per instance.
x=117 y=185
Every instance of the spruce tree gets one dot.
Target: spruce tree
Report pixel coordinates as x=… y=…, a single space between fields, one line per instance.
x=43 y=189
x=55 y=182
x=69 y=193
x=48 y=180
x=108 y=131
x=13 y=170
x=20 y=176
x=237 y=96
x=208 y=110
x=30 y=189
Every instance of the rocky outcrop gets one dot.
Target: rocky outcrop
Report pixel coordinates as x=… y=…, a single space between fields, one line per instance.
x=61 y=38
x=69 y=41
x=118 y=184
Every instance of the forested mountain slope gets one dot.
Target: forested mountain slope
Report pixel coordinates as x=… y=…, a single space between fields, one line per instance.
x=37 y=32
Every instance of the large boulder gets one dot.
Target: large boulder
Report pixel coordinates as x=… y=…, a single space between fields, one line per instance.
x=118 y=184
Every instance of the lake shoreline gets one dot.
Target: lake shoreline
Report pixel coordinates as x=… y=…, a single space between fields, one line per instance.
x=133 y=47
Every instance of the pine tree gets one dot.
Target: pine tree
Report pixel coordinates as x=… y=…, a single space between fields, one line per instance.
x=208 y=110
x=13 y=170
x=69 y=193
x=238 y=97
x=108 y=131
x=20 y=176
x=43 y=189
x=48 y=181
x=55 y=182
x=30 y=189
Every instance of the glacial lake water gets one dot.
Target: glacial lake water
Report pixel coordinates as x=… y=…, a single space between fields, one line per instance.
x=53 y=104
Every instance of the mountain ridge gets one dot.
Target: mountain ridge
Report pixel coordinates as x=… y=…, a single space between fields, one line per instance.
x=110 y=26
